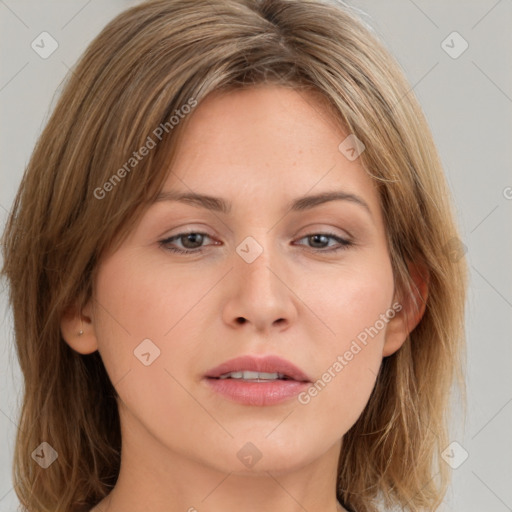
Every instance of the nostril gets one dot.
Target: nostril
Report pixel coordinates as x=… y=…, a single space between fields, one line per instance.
x=241 y=320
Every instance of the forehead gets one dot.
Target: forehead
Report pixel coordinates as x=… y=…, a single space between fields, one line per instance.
x=266 y=144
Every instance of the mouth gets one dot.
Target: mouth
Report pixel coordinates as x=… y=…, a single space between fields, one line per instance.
x=251 y=367
x=249 y=376
x=252 y=380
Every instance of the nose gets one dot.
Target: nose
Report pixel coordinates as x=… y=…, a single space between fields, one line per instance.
x=260 y=297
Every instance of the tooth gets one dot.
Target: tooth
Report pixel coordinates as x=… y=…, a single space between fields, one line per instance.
x=250 y=375
x=268 y=375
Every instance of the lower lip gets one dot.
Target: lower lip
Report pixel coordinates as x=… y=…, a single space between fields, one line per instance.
x=257 y=393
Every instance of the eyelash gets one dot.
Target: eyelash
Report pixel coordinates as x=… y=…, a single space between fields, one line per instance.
x=345 y=244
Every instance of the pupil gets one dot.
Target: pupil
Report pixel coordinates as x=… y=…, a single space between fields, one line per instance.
x=190 y=237
x=315 y=238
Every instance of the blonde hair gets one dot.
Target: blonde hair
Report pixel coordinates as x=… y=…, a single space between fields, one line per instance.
x=147 y=63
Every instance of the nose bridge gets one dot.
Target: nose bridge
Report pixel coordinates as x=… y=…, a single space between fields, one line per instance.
x=255 y=264
x=261 y=298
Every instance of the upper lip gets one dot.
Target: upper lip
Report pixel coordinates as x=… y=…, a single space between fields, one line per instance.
x=265 y=364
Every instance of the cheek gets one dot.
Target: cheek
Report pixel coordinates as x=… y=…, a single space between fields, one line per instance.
x=138 y=300
x=351 y=299
x=356 y=306
x=125 y=302
x=137 y=315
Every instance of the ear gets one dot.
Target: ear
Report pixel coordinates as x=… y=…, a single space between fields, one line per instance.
x=73 y=321
x=411 y=312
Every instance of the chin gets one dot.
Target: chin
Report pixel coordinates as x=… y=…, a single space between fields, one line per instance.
x=271 y=455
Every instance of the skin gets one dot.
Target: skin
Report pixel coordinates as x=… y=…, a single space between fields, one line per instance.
x=258 y=148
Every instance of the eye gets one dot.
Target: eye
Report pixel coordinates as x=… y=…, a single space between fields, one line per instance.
x=192 y=242
x=322 y=238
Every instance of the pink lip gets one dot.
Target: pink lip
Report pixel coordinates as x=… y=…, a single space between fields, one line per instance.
x=267 y=364
x=258 y=393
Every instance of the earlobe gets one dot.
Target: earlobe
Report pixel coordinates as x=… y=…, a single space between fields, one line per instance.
x=411 y=313
x=77 y=330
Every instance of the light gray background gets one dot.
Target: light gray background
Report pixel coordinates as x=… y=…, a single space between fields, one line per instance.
x=468 y=104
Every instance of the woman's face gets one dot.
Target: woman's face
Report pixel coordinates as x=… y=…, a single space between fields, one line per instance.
x=263 y=278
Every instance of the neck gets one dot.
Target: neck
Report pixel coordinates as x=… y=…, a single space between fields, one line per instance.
x=156 y=478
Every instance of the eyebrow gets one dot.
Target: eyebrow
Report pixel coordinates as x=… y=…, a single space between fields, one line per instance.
x=218 y=204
